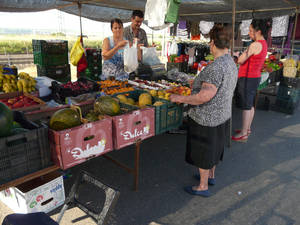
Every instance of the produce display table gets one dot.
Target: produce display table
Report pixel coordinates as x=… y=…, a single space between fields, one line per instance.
x=135 y=170
x=130 y=127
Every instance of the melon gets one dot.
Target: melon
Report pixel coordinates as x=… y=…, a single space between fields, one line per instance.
x=6 y=120
x=64 y=119
x=130 y=101
x=145 y=99
x=107 y=105
x=122 y=98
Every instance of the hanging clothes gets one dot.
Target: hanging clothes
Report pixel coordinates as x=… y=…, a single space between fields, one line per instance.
x=173 y=30
x=280 y=26
x=297 y=36
x=181 y=30
x=195 y=28
x=287 y=44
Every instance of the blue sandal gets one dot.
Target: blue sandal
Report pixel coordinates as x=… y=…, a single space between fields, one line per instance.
x=190 y=190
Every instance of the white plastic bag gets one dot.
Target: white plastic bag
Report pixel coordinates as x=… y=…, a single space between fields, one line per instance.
x=245 y=27
x=280 y=26
x=155 y=12
x=205 y=26
x=173 y=50
x=130 y=58
x=149 y=56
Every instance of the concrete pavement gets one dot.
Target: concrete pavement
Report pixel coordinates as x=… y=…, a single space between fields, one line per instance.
x=257 y=182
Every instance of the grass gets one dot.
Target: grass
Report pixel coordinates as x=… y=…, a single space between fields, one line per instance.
x=31 y=70
x=19 y=44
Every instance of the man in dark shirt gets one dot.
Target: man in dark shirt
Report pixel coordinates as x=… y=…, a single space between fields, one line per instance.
x=134 y=30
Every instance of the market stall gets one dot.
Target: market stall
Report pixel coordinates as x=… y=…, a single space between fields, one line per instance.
x=117 y=114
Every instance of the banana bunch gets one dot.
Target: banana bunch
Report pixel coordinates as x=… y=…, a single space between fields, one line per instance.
x=26 y=83
x=8 y=83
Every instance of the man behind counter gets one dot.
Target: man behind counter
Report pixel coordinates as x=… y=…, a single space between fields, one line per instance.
x=134 y=30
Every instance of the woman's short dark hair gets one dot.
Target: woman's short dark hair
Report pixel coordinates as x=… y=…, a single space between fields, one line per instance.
x=137 y=13
x=115 y=20
x=221 y=36
x=261 y=24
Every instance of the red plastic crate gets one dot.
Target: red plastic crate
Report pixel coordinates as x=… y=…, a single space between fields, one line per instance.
x=73 y=146
x=132 y=126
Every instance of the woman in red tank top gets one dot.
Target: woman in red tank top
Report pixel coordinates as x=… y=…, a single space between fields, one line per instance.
x=251 y=62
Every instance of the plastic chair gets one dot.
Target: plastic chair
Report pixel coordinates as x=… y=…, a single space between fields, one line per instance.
x=74 y=199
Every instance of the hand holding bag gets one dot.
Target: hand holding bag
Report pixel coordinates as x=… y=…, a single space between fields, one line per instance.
x=130 y=58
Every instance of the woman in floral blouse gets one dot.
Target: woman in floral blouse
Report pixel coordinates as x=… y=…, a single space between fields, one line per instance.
x=112 y=53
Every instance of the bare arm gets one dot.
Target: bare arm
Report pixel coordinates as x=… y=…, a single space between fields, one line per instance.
x=207 y=92
x=108 y=53
x=254 y=49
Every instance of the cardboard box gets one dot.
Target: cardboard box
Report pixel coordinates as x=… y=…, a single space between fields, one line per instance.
x=43 y=85
x=73 y=146
x=129 y=127
x=42 y=194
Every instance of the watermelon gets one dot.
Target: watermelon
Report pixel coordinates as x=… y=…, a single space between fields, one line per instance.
x=64 y=119
x=6 y=120
x=107 y=105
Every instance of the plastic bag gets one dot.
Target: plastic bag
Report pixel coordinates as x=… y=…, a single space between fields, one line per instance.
x=205 y=26
x=172 y=11
x=280 y=26
x=245 y=27
x=155 y=12
x=76 y=52
x=149 y=56
x=173 y=50
x=130 y=58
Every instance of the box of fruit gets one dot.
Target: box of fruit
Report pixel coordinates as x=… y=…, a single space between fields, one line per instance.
x=150 y=85
x=76 y=145
x=168 y=115
x=21 y=101
x=130 y=123
x=133 y=126
x=79 y=87
x=75 y=135
x=112 y=86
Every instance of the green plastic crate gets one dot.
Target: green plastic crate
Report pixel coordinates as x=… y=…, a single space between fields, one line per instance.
x=287 y=99
x=44 y=59
x=167 y=116
x=286 y=105
x=59 y=73
x=50 y=47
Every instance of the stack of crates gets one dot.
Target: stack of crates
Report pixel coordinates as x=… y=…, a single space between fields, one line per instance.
x=288 y=95
x=94 y=61
x=51 y=58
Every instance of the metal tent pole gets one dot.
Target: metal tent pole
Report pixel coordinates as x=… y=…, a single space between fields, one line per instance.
x=233 y=24
x=79 y=7
x=294 y=31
